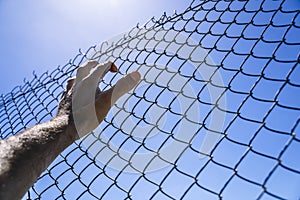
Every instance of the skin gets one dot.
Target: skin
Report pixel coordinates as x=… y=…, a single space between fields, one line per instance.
x=25 y=156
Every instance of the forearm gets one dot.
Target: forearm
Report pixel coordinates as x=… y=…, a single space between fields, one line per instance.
x=25 y=156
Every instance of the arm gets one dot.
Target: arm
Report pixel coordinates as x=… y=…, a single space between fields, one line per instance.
x=25 y=156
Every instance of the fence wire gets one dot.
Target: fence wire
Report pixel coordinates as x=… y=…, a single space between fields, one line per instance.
x=216 y=115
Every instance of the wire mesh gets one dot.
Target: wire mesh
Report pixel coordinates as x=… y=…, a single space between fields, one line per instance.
x=216 y=115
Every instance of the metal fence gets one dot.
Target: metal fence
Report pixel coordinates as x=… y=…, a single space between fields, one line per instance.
x=216 y=115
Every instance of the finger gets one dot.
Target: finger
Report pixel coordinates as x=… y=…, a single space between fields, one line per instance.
x=84 y=70
x=100 y=70
x=86 y=89
x=123 y=86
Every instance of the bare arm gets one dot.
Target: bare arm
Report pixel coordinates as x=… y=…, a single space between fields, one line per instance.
x=25 y=156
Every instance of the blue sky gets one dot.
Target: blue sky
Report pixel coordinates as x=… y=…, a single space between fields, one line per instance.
x=40 y=35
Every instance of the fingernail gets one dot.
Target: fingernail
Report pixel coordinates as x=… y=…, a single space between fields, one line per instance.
x=113 y=68
x=135 y=76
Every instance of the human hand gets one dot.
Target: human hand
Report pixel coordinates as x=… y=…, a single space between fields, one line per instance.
x=83 y=101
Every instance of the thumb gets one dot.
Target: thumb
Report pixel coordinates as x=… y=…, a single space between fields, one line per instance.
x=124 y=85
x=107 y=99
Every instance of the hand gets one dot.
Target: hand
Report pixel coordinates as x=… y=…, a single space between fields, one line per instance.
x=84 y=103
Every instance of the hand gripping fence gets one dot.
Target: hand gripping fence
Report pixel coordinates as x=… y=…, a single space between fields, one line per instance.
x=215 y=116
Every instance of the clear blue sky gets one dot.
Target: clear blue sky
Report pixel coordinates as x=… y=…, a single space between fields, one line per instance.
x=40 y=35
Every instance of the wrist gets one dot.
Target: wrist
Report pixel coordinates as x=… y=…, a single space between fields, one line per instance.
x=65 y=124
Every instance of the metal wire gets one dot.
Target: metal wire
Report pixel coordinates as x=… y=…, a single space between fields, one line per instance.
x=227 y=71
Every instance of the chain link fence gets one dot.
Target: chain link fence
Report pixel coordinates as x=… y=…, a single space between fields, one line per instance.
x=216 y=115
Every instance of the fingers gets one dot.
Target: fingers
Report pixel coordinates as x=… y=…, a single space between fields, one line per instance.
x=123 y=86
x=84 y=71
x=100 y=70
x=92 y=73
x=87 y=110
x=87 y=80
